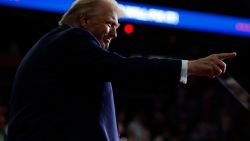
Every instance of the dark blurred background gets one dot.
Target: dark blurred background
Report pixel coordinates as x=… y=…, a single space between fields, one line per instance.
x=202 y=110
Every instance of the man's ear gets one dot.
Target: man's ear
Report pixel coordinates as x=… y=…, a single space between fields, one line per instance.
x=83 y=20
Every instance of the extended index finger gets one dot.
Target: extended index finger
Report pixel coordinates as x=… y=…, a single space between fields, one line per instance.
x=223 y=56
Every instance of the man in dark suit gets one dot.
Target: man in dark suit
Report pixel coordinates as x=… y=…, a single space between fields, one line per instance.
x=62 y=89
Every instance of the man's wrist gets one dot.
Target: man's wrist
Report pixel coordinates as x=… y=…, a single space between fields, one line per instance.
x=184 y=69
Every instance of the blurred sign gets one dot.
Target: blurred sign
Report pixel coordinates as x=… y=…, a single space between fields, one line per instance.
x=154 y=15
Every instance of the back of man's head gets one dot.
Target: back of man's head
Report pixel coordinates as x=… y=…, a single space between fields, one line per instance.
x=88 y=7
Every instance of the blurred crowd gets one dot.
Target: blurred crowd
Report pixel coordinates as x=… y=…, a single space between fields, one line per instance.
x=201 y=110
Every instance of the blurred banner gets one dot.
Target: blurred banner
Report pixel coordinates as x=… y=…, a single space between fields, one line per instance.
x=154 y=15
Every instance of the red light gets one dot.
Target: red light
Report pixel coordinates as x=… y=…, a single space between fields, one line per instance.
x=128 y=28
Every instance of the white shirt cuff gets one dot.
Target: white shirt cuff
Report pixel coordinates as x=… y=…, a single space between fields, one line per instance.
x=184 y=68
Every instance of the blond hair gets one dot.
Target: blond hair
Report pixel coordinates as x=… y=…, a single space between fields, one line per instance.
x=87 y=7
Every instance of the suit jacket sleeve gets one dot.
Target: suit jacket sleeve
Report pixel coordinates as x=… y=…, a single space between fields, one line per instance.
x=83 y=55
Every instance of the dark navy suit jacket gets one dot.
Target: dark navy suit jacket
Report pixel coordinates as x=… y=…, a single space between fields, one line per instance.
x=62 y=89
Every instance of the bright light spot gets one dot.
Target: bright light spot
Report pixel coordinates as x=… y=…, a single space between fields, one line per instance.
x=243 y=27
x=128 y=28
